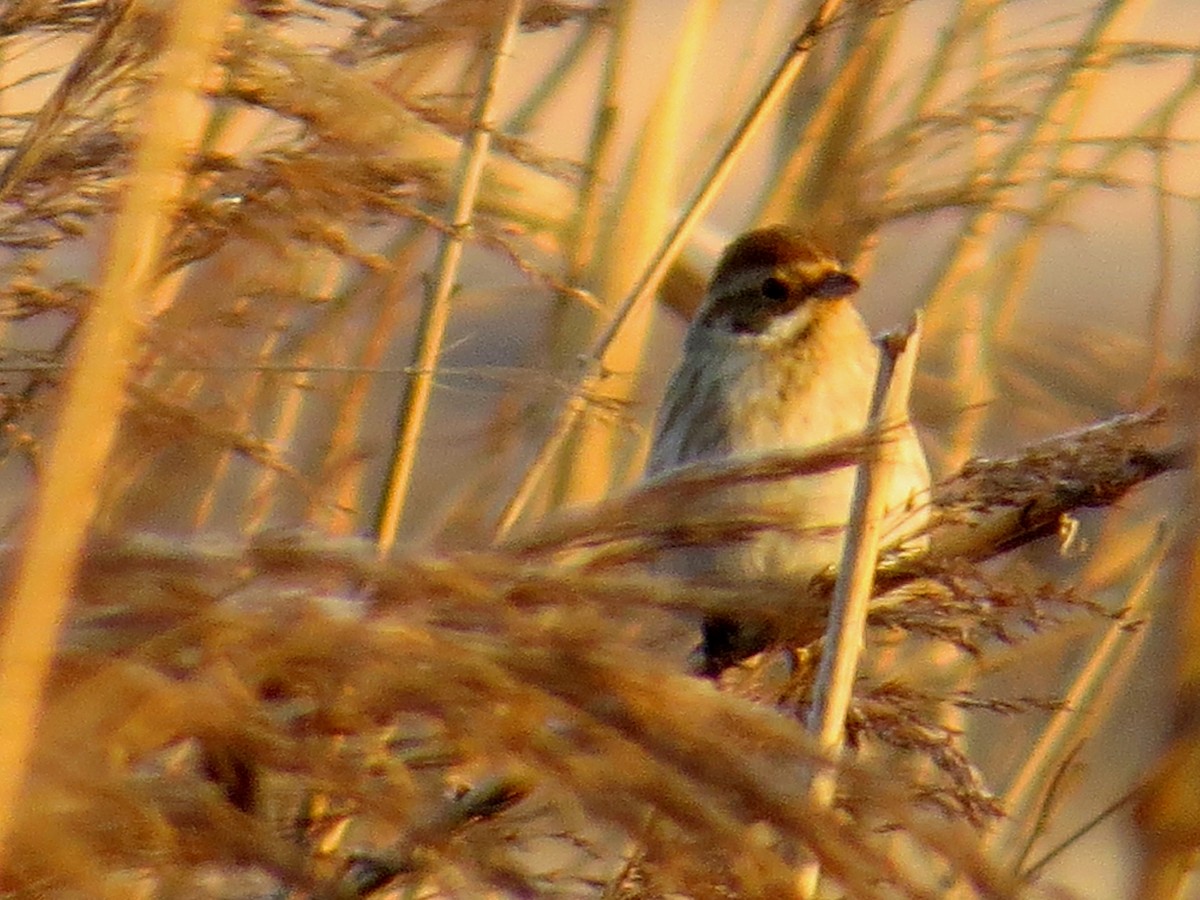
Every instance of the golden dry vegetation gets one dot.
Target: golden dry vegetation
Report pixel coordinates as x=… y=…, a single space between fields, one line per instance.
x=332 y=330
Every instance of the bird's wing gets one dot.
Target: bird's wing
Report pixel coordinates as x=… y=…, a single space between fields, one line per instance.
x=693 y=423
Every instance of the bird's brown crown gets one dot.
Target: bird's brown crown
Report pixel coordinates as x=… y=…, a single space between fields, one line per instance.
x=777 y=245
x=767 y=274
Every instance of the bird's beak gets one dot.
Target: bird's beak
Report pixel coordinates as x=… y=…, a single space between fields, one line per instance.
x=835 y=284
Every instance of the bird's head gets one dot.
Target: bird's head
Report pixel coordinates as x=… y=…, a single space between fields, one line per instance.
x=774 y=282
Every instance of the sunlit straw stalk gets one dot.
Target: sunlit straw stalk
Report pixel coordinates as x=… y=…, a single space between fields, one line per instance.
x=710 y=186
x=1069 y=726
x=845 y=633
x=640 y=211
x=95 y=392
x=436 y=310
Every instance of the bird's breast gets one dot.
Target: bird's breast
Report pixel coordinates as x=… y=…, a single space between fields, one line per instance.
x=774 y=402
x=758 y=401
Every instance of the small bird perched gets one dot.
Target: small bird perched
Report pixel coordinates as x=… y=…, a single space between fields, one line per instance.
x=778 y=358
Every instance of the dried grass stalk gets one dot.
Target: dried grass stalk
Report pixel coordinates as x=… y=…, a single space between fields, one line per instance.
x=95 y=393
x=846 y=635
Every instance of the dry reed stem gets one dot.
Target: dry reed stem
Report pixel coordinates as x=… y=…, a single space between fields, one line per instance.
x=981 y=224
x=1168 y=808
x=279 y=399
x=584 y=233
x=347 y=110
x=597 y=456
x=710 y=186
x=95 y=392
x=209 y=502
x=846 y=633
x=523 y=119
x=1163 y=235
x=815 y=183
x=435 y=311
x=344 y=433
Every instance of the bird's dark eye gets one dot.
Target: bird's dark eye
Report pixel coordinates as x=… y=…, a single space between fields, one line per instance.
x=774 y=289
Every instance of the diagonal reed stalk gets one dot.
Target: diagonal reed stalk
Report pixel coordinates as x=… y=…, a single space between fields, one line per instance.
x=1082 y=705
x=641 y=210
x=710 y=186
x=95 y=392
x=435 y=312
x=845 y=634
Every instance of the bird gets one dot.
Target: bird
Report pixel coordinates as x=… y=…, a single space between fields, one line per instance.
x=778 y=358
